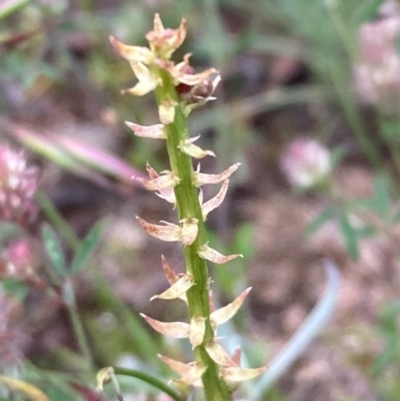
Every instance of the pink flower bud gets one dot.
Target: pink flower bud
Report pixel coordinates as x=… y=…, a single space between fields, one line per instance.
x=377 y=73
x=18 y=184
x=19 y=260
x=306 y=162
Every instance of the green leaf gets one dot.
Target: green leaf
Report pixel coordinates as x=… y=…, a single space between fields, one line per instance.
x=381 y=200
x=367 y=11
x=54 y=249
x=244 y=240
x=16 y=288
x=86 y=248
x=349 y=234
x=319 y=221
x=12 y=6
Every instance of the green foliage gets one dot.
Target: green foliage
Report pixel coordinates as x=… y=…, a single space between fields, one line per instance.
x=54 y=250
x=321 y=36
x=86 y=248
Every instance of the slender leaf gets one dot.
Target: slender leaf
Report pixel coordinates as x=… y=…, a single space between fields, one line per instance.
x=152 y=380
x=349 y=234
x=381 y=199
x=8 y=7
x=86 y=248
x=54 y=249
x=367 y=11
x=32 y=392
x=320 y=221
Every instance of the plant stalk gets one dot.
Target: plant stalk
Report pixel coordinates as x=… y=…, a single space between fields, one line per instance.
x=188 y=206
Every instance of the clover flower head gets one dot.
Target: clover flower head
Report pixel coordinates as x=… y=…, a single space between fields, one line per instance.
x=306 y=162
x=18 y=184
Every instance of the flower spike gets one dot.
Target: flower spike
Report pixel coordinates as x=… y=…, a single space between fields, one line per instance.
x=205 y=252
x=173 y=329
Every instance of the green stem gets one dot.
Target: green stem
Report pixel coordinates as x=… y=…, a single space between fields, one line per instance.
x=54 y=216
x=80 y=333
x=148 y=379
x=188 y=206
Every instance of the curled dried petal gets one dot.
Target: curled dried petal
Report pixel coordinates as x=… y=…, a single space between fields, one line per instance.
x=196 y=79
x=195 y=151
x=163 y=42
x=103 y=377
x=172 y=277
x=177 y=366
x=201 y=196
x=215 y=202
x=156 y=131
x=148 y=81
x=133 y=53
x=197 y=330
x=167 y=193
x=189 y=231
x=161 y=183
x=168 y=233
x=177 y=289
x=236 y=356
x=173 y=329
x=193 y=376
x=205 y=252
x=219 y=355
x=201 y=178
x=222 y=315
x=238 y=374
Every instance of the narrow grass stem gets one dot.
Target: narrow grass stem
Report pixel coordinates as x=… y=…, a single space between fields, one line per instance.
x=153 y=381
x=80 y=333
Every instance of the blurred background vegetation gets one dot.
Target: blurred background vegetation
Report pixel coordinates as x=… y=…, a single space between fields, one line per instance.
x=325 y=71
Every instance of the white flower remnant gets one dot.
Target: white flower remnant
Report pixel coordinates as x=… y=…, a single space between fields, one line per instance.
x=306 y=163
